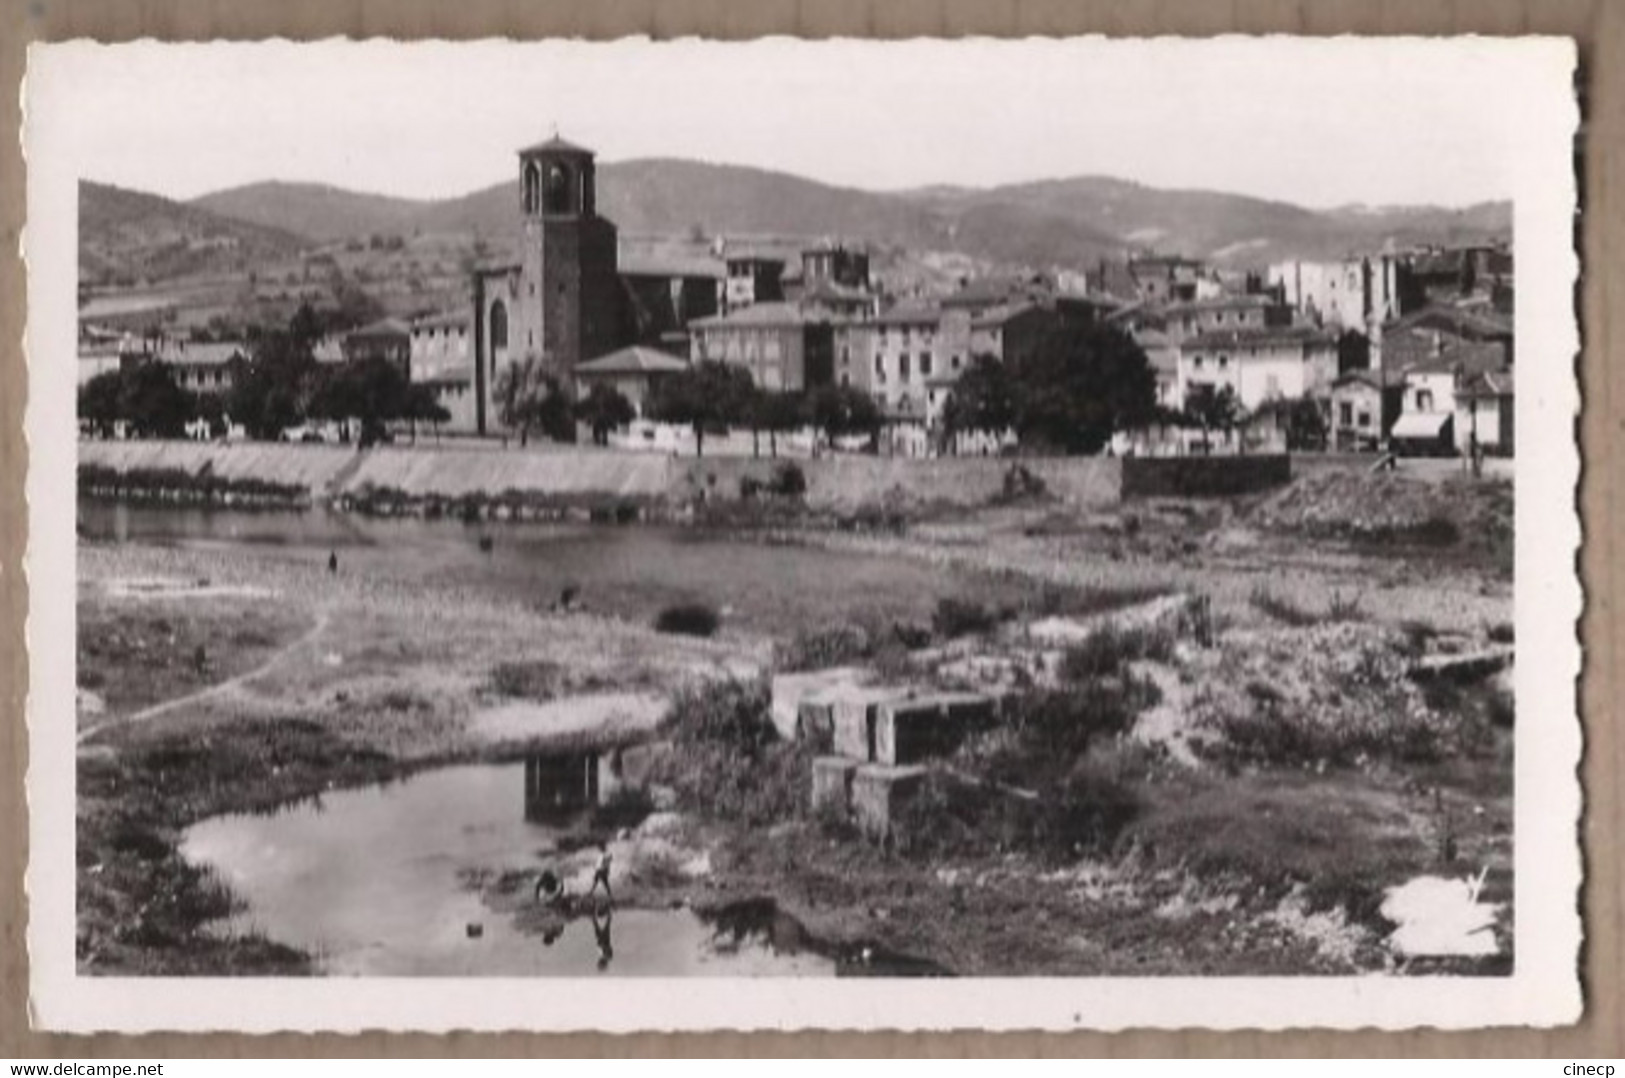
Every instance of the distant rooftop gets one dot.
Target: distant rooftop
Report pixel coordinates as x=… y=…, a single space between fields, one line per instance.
x=634 y=360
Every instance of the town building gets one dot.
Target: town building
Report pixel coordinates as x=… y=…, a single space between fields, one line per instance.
x=1364 y=405
x=635 y=372
x=1259 y=363
x=1485 y=412
x=203 y=366
x=1349 y=293
x=388 y=339
x=560 y=301
x=783 y=347
x=753 y=278
x=1221 y=314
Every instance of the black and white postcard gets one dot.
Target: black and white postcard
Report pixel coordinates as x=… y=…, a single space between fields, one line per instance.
x=975 y=534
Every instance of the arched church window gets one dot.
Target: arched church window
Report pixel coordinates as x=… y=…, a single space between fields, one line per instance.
x=532 y=187
x=499 y=325
x=557 y=192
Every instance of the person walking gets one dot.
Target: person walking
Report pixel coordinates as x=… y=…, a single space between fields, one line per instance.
x=601 y=874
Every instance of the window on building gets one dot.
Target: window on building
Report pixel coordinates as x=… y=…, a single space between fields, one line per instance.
x=1365 y=417
x=925 y=364
x=1424 y=400
x=846 y=356
x=1224 y=363
x=880 y=368
x=499 y=325
x=955 y=363
x=902 y=367
x=1196 y=363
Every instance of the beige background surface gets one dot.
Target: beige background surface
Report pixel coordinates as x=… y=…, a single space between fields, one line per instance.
x=1599 y=26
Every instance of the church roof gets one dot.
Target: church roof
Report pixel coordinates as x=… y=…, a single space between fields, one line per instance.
x=557 y=145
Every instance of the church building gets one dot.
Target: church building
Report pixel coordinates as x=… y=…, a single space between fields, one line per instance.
x=561 y=302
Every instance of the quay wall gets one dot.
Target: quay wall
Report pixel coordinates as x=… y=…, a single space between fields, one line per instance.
x=836 y=482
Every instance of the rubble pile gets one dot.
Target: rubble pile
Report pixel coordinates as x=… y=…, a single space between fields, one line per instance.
x=1386 y=507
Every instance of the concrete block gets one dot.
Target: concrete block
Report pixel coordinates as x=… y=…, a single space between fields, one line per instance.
x=880 y=793
x=791 y=690
x=925 y=727
x=853 y=715
x=832 y=783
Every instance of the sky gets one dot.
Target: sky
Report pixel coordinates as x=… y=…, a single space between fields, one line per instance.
x=1318 y=123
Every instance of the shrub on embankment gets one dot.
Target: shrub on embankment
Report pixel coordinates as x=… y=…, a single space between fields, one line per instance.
x=727 y=760
x=175 y=485
x=1388 y=509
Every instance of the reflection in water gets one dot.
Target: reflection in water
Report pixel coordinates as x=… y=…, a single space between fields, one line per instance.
x=601 y=931
x=376 y=882
x=560 y=784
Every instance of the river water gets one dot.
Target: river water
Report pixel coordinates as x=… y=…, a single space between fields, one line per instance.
x=382 y=881
x=631 y=571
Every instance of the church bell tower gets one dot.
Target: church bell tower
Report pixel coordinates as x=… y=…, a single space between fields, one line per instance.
x=567 y=307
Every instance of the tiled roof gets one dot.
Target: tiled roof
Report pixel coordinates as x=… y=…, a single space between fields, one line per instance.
x=1257 y=336
x=1221 y=303
x=758 y=314
x=1469 y=357
x=384 y=327
x=443 y=320
x=634 y=360
x=654 y=265
x=911 y=314
x=203 y=353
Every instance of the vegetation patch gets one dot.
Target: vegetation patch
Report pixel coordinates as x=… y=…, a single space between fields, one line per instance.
x=689 y=619
x=727 y=760
x=178 y=485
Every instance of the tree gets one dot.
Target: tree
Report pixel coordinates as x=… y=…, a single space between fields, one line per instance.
x=101 y=402
x=154 y=405
x=1212 y=409
x=1079 y=385
x=373 y=391
x=838 y=411
x=422 y=406
x=709 y=396
x=982 y=401
x=530 y=398
x=211 y=408
x=1305 y=425
x=777 y=412
x=604 y=409
x=273 y=389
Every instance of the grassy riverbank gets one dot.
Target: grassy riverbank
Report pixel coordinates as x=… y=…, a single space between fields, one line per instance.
x=233 y=678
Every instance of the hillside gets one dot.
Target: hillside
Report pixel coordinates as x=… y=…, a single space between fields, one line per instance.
x=1071 y=222
x=125 y=236
x=315 y=210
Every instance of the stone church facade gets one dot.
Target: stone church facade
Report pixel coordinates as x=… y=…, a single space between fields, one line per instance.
x=561 y=302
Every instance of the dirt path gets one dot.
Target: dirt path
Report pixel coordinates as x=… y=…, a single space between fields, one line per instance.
x=220 y=689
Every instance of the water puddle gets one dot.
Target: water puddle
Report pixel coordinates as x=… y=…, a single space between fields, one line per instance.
x=376 y=882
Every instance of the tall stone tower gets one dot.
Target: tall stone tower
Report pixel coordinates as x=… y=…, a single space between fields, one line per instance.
x=567 y=307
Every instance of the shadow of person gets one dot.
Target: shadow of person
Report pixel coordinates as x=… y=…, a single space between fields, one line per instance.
x=601 y=931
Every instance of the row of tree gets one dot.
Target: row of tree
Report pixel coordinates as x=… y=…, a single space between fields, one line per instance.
x=280 y=385
x=1078 y=387
x=711 y=398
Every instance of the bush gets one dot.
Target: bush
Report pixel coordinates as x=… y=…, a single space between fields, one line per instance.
x=1105 y=652
x=1280 y=608
x=689 y=619
x=733 y=715
x=540 y=679
x=1502 y=633
x=1082 y=812
x=820 y=648
x=1059 y=725
x=788 y=481
x=962 y=617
